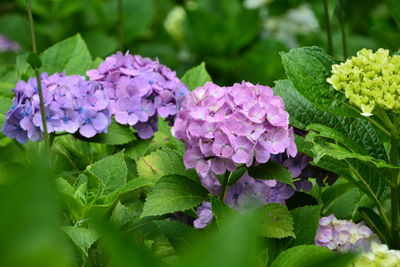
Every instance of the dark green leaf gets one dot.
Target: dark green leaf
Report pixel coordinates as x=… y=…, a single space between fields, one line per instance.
x=34 y=60
x=271 y=171
x=306 y=221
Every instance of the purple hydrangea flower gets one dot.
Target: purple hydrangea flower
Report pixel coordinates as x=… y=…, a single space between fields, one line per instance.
x=140 y=90
x=7 y=45
x=343 y=235
x=204 y=215
x=71 y=105
x=226 y=126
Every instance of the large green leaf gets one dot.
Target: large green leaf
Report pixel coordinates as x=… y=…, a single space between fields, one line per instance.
x=306 y=221
x=173 y=193
x=111 y=173
x=271 y=171
x=196 y=76
x=83 y=238
x=162 y=162
x=310 y=256
x=277 y=221
x=70 y=55
x=303 y=113
x=308 y=68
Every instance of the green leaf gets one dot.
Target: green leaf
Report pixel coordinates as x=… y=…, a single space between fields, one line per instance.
x=5 y=105
x=135 y=184
x=393 y=6
x=163 y=162
x=178 y=234
x=233 y=246
x=70 y=55
x=173 y=193
x=303 y=113
x=306 y=221
x=308 y=68
x=277 y=221
x=271 y=171
x=111 y=172
x=336 y=151
x=117 y=134
x=308 y=256
x=34 y=60
x=196 y=76
x=83 y=238
x=220 y=210
x=374 y=221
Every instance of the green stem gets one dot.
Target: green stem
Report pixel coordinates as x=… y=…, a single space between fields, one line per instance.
x=394 y=194
x=224 y=186
x=119 y=26
x=37 y=72
x=342 y=29
x=328 y=28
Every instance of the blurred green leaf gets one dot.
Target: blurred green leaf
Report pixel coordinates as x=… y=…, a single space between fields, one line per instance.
x=173 y=193
x=196 y=76
x=394 y=9
x=70 y=55
x=233 y=246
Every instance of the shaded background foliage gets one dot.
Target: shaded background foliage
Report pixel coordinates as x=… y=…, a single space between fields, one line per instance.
x=239 y=40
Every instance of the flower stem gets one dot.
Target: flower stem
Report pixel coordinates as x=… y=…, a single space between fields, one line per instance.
x=224 y=186
x=342 y=29
x=37 y=72
x=328 y=28
x=394 y=194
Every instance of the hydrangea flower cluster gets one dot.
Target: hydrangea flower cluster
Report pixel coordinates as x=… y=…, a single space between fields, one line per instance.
x=379 y=255
x=343 y=235
x=139 y=90
x=225 y=126
x=71 y=105
x=369 y=79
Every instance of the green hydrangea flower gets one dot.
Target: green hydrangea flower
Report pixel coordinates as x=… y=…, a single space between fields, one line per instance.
x=379 y=256
x=369 y=79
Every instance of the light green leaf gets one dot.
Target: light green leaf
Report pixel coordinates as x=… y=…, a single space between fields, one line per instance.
x=306 y=221
x=173 y=193
x=111 y=172
x=277 y=221
x=308 y=68
x=163 y=162
x=301 y=256
x=196 y=76
x=70 y=55
x=83 y=238
x=271 y=171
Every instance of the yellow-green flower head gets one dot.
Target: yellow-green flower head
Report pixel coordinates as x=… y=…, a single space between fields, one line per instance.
x=369 y=79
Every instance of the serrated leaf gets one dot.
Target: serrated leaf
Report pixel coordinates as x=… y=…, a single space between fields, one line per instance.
x=306 y=221
x=83 y=238
x=277 y=221
x=271 y=171
x=303 y=113
x=70 y=55
x=308 y=68
x=111 y=173
x=117 y=134
x=173 y=193
x=162 y=162
x=196 y=76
